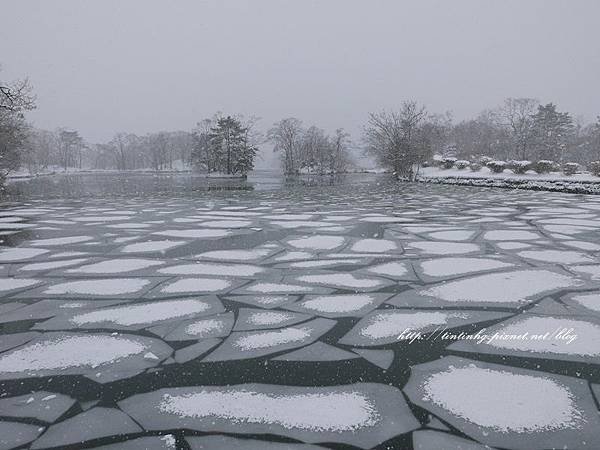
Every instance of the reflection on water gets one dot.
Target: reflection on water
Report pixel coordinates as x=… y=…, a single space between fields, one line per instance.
x=116 y=184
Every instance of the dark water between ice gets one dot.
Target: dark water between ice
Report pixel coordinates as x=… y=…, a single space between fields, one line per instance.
x=352 y=208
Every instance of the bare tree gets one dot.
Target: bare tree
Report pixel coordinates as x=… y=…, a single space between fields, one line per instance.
x=397 y=139
x=517 y=115
x=287 y=137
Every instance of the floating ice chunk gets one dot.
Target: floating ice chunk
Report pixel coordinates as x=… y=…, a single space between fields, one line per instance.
x=236 y=255
x=253 y=344
x=214 y=326
x=84 y=427
x=542 y=339
x=257 y=319
x=196 y=285
x=582 y=245
x=353 y=305
x=278 y=288
x=299 y=224
x=507 y=407
x=216 y=442
x=393 y=269
x=165 y=442
x=385 y=219
x=513 y=245
x=387 y=326
x=344 y=280
x=226 y=224
x=151 y=246
x=105 y=218
x=593 y=271
x=510 y=288
x=323 y=263
x=234 y=270
x=362 y=414
x=317 y=242
x=114 y=357
x=16 y=434
x=52 y=264
x=9 y=284
x=292 y=256
x=445 y=248
x=433 y=440
x=290 y=217
x=112 y=266
x=19 y=254
x=510 y=235
x=194 y=234
x=374 y=246
x=264 y=301
x=452 y=235
x=41 y=405
x=194 y=351
x=61 y=241
x=48 y=308
x=135 y=316
x=444 y=267
x=587 y=301
x=319 y=351
x=104 y=287
x=380 y=358
x=556 y=256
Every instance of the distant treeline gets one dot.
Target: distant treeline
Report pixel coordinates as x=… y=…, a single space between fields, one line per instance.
x=521 y=130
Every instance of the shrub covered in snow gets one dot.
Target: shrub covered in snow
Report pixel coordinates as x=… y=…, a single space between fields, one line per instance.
x=484 y=160
x=544 y=166
x=594 y=167
x=519 y=166
x=570 y=168
x=497 y=166
x=461 y=164
x=475 y=167
x=448 y=162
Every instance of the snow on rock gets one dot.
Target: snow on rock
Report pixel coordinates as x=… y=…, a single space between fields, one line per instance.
x=362 y=414
x=253 y=344
x=342 y=305
x=113 y=357
x=506 y=407
x=389 y=326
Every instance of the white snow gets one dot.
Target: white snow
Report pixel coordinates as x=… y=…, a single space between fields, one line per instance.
x=7 y=284
x=374 y=246
x=236 y=255
x=589 y=301
x=453 y=235
x=69 y=351
x=114 y=286
x=53 y=264
x=338 y=303
x=117 y=266
x=510 y=235
x=235 y=270
x=346 y=280
x=151 y=246
x=556 y=256
x=442 y=267
x=17 y=254
x=271 y=338
x=331 y=412
x=504 y=401
x=61 y=241
x=193 y=234
x=196 y=285
x=143 y=313
x=317 y=242
x=509 y=287
x=445 y=248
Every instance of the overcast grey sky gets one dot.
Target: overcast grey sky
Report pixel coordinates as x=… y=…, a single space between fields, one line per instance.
x=112 y=65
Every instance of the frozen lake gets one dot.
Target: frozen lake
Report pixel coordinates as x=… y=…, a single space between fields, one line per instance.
x=171 y=311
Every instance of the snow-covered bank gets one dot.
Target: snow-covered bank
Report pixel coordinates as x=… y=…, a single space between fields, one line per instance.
x=580 y=183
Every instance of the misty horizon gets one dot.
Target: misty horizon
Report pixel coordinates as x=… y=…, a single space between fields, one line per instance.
x=140 y=67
